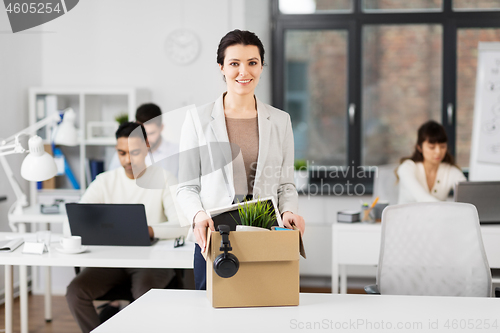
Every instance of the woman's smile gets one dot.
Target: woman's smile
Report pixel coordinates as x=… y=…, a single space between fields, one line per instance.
x=244 y=82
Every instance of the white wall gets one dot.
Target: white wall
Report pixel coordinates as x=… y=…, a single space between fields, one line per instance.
x=258 y=20
x=20 y=68
x=116 y=42
x=121 y=43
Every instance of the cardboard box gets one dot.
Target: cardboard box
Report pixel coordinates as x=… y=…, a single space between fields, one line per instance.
x=269 y=269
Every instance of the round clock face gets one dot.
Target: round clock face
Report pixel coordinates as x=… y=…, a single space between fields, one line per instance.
x=182 y=46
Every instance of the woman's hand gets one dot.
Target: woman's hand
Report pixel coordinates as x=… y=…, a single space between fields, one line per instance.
x=202 y=221
x=289 y=218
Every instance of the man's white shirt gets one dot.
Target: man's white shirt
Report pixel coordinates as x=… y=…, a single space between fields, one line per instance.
x=151 y=189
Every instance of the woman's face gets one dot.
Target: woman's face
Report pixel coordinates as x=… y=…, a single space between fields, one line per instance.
x=433 y=152
x=242 y=68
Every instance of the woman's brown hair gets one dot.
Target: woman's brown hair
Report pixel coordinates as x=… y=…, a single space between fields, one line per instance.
x=432 y=132
x=236 y=37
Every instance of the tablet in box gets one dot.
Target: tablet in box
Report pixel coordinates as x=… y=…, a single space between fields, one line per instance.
x=229 y=215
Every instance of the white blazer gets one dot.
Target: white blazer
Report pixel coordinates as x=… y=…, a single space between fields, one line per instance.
x=206 y=174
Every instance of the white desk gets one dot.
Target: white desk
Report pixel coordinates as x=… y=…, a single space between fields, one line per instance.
x=189 y=311
x=359 y=244
x=160 y=255
x=17 y=223
x=31 y=214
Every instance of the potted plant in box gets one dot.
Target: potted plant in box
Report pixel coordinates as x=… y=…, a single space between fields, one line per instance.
x=258 y=215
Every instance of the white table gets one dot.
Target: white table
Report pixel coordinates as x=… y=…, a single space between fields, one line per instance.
x=17 y=223
x=160 y=255
x=189 y=311
x=359 y=244
x=31 y=214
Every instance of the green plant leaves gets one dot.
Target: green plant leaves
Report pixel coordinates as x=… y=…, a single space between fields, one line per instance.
x=257 y=214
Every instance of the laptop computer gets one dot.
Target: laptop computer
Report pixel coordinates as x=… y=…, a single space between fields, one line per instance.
x=484 y=195
x=109 y=224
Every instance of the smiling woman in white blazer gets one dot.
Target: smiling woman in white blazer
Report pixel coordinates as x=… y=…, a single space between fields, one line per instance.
x=210 y=174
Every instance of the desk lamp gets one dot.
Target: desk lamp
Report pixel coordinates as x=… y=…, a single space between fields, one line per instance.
x=38 y=165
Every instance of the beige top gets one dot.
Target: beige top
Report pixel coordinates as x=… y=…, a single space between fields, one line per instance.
x=206 y=124
x=244 y=138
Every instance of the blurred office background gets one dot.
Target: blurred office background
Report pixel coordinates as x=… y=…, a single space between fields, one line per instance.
x=393 y=63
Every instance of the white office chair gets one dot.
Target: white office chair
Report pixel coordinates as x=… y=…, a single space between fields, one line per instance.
x=385 y=184
x=433 y=249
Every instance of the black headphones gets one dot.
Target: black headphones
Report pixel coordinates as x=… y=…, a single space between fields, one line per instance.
x=226 y=264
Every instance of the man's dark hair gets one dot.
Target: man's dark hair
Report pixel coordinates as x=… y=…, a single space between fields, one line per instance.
x=126 y=129
x=147 y=112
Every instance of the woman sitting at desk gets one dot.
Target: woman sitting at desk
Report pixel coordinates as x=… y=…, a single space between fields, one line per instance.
x=430 y=173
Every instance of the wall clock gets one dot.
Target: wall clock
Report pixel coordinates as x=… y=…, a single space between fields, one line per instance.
x=182 y=46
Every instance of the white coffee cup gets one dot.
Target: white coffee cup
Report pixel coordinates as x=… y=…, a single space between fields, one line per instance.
x=71 y=243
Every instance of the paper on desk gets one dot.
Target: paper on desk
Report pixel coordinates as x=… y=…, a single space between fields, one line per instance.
x=168 y=245
x=10 y=245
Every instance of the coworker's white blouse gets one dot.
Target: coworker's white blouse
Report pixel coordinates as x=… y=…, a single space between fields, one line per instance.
x=413 y=183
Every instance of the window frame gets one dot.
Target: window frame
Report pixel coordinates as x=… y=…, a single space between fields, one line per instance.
x=450 y=20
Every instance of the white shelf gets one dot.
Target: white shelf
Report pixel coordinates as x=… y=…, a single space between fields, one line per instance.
x=87 y=91
x=92 y=104
x=100 y=142
x=91 y=142
x=47 y=142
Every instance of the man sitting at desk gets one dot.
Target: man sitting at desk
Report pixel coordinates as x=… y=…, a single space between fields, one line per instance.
x=129 y=184
x=162 y=152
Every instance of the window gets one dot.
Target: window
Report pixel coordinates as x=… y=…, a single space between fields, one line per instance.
x=401 y=87
x=314 y=6
x=358 y=83
x=402 y=5
x=316 y=93
x=468 y=5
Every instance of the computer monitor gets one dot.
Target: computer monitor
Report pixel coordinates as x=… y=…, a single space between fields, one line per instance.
x=484 y=195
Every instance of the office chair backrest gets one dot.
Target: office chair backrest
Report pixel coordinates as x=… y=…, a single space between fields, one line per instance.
x=385 y=184
x=433 y=249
